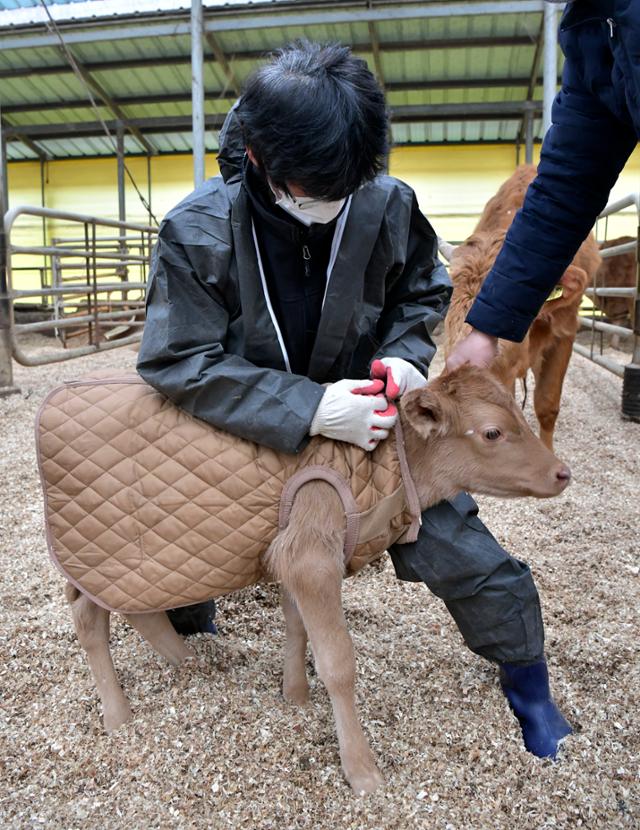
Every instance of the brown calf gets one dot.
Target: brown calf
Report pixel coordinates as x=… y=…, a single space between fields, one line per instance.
x=462 y=432
x=547 y=348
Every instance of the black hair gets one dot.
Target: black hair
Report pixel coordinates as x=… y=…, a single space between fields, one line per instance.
x=315 y=116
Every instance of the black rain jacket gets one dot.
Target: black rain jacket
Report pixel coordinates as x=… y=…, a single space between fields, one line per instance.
x=210 y=342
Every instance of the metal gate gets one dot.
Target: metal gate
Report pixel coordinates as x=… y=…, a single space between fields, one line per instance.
x=631 y=371
x=89 y=284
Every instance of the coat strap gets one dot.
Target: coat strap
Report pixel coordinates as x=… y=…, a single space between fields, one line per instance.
x=317 y=472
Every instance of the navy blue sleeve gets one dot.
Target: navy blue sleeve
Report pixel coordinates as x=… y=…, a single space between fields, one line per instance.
x=582 y=156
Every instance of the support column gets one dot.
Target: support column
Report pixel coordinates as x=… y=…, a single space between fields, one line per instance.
x=43 y=203
x=122 y=204
x=6 y=366
x=550 y=64
x=151 y=220
x=197 y=91
x=528 y=135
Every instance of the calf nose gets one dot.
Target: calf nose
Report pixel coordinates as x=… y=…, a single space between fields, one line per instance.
x=563 y=474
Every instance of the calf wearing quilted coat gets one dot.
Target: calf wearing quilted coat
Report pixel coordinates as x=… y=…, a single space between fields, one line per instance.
x=462 y=431
x=254 y=305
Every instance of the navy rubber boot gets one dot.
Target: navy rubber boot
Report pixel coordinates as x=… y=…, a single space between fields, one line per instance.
x=194 y=619
x=527 y=690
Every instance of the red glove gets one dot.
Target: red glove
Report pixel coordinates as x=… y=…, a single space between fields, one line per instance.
x=399 y=376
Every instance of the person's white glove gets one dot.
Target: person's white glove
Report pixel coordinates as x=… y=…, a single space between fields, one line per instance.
x=355 y=411
x=399 y=376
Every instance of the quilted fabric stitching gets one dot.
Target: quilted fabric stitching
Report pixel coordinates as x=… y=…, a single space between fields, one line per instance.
x=110 y=478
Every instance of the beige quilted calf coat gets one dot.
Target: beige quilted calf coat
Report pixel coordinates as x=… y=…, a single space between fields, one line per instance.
x=149 y=508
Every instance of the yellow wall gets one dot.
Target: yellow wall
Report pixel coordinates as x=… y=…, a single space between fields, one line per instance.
x=452 y=183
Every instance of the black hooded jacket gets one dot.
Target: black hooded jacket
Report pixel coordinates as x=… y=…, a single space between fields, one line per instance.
x=212 y=342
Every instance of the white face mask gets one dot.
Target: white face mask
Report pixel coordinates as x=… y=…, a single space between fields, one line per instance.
x=306 y=209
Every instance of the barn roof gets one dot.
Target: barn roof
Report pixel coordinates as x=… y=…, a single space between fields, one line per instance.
x=454 y=72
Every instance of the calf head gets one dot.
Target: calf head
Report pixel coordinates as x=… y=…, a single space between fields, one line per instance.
x=464 y=431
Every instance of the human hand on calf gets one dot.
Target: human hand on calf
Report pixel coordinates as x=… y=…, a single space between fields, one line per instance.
x=399 y=376
x=477 y=349
x=356 y=412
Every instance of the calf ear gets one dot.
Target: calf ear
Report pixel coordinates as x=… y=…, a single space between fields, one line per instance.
x=424 y=411
x=574 y=281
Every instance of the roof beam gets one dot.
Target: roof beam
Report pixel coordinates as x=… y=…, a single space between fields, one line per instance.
x=91 y=82
x=221 y=58
x=375 y=49
x=533 y=81
x=23 y=139
x=499 y=110
x=176 y=25
x=185 y=97
x=255 y=54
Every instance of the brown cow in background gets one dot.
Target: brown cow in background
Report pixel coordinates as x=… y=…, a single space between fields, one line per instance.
x=547 y=347
x=617 y=272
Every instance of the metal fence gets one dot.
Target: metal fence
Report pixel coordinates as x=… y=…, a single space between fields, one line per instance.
x=630 y=372
x=89 y=285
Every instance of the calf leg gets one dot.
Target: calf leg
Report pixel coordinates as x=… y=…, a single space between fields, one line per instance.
x=161 y=636
x=295 y=686
x=307 y=558
x=92 y=627
x=549 y=373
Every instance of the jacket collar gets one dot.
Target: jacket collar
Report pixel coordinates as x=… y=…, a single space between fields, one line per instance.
x=345 y=288
x=344 y=291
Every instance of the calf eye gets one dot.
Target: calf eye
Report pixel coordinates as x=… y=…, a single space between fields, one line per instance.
x=492 y=434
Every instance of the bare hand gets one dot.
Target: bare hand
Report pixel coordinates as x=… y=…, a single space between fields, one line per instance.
x=477 y=348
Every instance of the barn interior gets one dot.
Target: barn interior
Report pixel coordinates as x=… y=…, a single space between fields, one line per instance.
x=109 y=116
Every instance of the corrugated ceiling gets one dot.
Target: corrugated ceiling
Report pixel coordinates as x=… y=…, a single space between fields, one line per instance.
x=482 y=60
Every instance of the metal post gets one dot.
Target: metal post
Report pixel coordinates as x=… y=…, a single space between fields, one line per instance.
x=122 y=203
x=197 y=91
x=6 y=367
x=528 y=135
x=122 y=207
x=43 y=203
x=150 y=217
x=550 y=64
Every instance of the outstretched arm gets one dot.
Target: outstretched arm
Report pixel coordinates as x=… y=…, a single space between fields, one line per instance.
x=582 y=156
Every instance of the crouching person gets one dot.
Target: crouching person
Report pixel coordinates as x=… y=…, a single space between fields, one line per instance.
x=301 y=266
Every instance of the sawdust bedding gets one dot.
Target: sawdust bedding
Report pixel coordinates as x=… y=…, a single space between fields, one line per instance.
x=212 y=744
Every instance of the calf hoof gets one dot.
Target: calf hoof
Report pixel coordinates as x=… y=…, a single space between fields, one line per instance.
x=364 y=778
x=296 y=693
x=116 y=716
x=180 y=653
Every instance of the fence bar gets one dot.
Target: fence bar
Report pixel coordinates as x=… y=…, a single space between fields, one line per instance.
x=71 y=322
x=30 y=210
x=610 y=292
x=616 y=250
x=42 y=360
x=621 y=204
x=601 y=360
x=75 y=252
x=608 y=328
x=76 y=288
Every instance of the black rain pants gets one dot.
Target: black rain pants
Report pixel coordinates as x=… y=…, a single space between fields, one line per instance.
x=490 y=595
